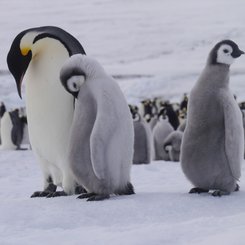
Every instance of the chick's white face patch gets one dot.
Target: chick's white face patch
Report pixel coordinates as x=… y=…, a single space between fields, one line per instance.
x=224 y=54
x=75 y=82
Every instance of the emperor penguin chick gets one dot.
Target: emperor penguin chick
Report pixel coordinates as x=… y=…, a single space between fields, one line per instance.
x=142 y=141
x=212 y=146
x=173 y=144
x=100 y=149
x=160 y=132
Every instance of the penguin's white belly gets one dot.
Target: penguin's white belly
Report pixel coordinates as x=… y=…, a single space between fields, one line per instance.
x=6 y=129
x=49 y=111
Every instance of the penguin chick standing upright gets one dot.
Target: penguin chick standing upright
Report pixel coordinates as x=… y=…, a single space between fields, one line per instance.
x=101 y=142
x=160 y=132
x=212 y=146
x=142 y=140
x=35 y=57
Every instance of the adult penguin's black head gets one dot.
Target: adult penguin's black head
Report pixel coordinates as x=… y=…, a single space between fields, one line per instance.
x=224 y=53
x=20 y=53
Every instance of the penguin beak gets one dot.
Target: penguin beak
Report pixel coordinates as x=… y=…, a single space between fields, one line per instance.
x=237 y=53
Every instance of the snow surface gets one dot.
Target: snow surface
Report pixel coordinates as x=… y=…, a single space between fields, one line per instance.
x=155 y=47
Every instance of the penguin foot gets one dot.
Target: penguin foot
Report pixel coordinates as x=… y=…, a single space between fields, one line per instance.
x=79 y=190
x=41 y=194
x=237 y=187
x=128 y=190
x=197 y=190
x=98 y=197
x=49 y=190
x=86 y=195
x=57 y=194
x=219 y=193
x=94 y=197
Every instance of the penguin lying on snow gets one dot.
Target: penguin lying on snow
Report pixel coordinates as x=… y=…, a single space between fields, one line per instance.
x=35 y=57
x=101 y=142
x=213 y=144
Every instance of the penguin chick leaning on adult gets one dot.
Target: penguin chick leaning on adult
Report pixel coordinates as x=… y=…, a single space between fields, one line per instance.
x=100 y=148
x=142 y=141
x=35 y=57
x=172 y=145
x=212 y=146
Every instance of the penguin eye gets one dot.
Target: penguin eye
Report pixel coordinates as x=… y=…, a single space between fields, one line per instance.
x=74 y=83
x=226 y=51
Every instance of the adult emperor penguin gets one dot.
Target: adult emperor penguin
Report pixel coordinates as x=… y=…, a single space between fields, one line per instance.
x=102 y=137
x=36 y=57
x=212 y=146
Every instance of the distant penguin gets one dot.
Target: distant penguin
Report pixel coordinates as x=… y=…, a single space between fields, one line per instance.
x=2 y=111
x=147 y=109
x=6 y=133
x=213 y=143
x=160 y=132
x=35 y=57
x=100 y=149
x=172 y=145
x=142 y=141
x=184 y=103
x=182 y=126
x=172 y=115
x=23 y=118
x=12 y=131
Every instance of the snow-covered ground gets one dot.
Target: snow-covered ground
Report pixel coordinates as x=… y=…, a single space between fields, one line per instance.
x=156 y=47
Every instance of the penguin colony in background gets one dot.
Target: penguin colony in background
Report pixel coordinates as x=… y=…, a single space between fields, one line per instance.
x=78 y=121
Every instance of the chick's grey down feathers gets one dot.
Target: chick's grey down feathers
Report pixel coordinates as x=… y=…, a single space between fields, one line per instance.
x=212 y=146
x=101 y=144
x=142 y=142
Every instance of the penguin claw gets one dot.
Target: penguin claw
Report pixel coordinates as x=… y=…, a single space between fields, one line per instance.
x=86 y=195
x=98 y=197
x=40 y=194
x=57 y=194
x=219 y=193
x=197 y=190
x=79 y=190
x=94 y=197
